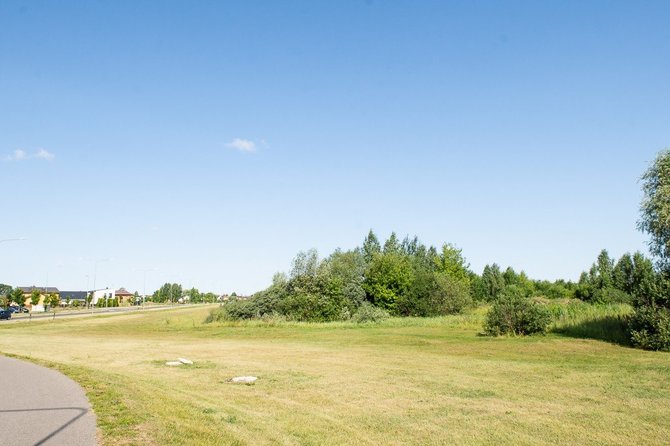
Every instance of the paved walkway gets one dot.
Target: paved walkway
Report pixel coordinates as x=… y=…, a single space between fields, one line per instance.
x=39 y=406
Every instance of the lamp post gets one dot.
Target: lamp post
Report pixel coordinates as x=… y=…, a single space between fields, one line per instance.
x=144 y=283
x=95 y=273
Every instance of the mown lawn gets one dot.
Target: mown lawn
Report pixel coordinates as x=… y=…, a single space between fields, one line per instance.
x=404 y=381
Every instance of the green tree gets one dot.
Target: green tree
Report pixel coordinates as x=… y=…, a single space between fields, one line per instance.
x=604 y=270
x=194 y=295
x=169 y=292
x=492 y=283
x=5 y=290
x=622 y=276
x=604 y=283
x=410 y=247
x=452 y=263
x=35 y=297
x=392 y=245
x=387 y=278
x=646 y=282
x=655 y=208
x=344 y=274
x=650 y=325
x=371 y=246
x=17 y=296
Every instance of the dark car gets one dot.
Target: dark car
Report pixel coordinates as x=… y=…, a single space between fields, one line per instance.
x=17 y=309
x=5 y=314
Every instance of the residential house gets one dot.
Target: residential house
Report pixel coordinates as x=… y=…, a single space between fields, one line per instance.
x=105 y=293
x=28 y=291
x=125 y=296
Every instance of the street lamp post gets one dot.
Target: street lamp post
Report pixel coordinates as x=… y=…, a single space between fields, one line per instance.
x=95 y=273
x=144 y=282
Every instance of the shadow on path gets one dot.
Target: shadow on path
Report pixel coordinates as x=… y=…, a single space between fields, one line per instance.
x=82 y=411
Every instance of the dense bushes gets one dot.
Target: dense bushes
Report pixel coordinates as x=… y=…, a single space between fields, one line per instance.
x=650 y=328
x=514 y=314
x=650 y=324
x=401 y=278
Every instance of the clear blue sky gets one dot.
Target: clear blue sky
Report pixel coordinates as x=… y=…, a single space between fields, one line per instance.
x=213 y=140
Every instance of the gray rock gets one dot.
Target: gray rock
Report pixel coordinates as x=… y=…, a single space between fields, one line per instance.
x=185 y=361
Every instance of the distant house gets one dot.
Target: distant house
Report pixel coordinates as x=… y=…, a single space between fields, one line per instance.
x=102 y=294
x=28 y=291
x=226 y=297
x=125 y=296
x=222 y=298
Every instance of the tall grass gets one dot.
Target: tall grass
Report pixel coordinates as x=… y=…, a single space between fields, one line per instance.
x=606 y=322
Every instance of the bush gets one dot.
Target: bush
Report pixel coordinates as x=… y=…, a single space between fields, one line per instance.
x=304 y=307
x=369 y=313
x=239 y=309
x=650 y=328
x=611 y=296
x=515 y=314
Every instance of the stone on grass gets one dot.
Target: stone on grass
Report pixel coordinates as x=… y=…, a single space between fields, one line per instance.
x=173 y=363
x=185 y=361
x=243 y=379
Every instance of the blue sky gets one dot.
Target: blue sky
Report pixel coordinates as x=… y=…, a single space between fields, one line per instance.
x=211 y=141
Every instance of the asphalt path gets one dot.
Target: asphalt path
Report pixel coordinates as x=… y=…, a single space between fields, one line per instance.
x=40 y=406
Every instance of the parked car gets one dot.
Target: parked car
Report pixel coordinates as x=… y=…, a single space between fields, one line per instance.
x=13 y=309
x=5 y=314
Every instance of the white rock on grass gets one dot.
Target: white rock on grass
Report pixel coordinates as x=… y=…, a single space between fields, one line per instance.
x=185 y=361
x=173 y=363
x=244 y=379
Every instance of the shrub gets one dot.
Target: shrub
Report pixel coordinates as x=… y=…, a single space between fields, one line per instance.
x=450 y=296
x=515 y=314
x=611 y=296
x=239 y=309
x=369 y=313
x=650 y=328
x=434 y=294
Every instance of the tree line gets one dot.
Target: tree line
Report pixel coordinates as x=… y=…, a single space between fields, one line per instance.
x=407 y=278
x=172 y=292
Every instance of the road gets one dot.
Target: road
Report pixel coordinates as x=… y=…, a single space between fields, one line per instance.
x=40 y=406
x=95 y=312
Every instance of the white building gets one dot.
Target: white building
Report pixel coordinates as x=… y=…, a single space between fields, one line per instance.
x=107 y=293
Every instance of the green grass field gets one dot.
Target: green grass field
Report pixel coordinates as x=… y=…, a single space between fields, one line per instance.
x=404 y=381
